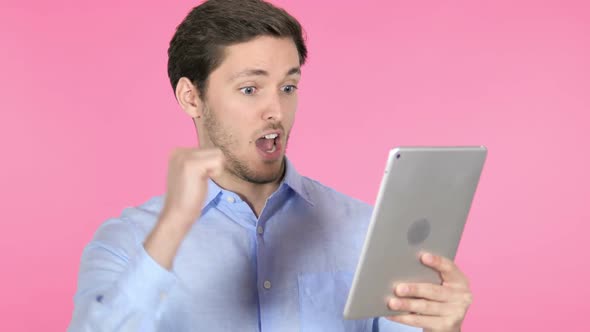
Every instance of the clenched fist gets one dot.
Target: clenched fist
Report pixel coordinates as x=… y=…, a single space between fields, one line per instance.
x=188 y=172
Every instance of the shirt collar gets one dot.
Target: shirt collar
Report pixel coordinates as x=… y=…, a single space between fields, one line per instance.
x=213 y=190
x=295 y=181
x=292 y=179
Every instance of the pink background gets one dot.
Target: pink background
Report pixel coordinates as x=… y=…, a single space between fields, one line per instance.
x=88 y=120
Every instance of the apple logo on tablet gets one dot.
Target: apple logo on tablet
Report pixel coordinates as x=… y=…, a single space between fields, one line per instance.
x=418 y=231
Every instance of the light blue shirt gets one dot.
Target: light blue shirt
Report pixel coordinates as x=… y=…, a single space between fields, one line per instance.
x=288 y=270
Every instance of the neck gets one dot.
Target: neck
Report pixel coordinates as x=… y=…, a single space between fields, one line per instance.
x=254 y=194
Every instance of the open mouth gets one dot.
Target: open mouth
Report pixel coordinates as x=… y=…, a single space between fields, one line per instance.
x=268 y=143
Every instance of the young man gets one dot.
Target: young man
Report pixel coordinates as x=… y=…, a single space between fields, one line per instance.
x=241 y=241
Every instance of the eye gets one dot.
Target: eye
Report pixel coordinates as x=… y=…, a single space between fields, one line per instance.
x=248 y=90
x=289 y=89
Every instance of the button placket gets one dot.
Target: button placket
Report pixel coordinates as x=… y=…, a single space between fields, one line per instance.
x=265 y=292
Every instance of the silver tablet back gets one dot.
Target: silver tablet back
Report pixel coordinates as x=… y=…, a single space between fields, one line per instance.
x=423 y=203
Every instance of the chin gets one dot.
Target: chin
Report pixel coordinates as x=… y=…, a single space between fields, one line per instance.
x=266 y=172
x=259 y=171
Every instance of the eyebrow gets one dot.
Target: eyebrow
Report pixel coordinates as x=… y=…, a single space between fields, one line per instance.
x=262 y=72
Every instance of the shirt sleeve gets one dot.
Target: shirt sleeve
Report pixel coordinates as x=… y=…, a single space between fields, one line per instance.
x=120 y=287
x=383 y=325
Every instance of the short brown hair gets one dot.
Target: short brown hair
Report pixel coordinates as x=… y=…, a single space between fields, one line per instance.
x=197 y=46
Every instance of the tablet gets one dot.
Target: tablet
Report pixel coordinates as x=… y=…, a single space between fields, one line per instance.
x=422 y=205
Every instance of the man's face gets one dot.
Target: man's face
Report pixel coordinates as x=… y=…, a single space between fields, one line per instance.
x=249 y=107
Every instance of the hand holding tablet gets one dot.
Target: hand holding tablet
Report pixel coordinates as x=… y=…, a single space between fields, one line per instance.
x=433 y=307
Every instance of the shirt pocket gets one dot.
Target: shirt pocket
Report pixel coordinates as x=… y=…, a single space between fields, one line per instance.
x=322 y=297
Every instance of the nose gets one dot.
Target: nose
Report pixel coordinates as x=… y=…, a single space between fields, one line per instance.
x=273 y=109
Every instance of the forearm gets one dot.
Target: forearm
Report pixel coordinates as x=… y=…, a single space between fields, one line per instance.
x=165 y=239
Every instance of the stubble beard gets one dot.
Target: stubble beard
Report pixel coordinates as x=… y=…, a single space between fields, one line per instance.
x=224 y=140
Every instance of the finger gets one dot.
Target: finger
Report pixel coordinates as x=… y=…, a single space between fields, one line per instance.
x=419 y=306
x=426 y=291
x=195 y=153
x=206 y=151
x=425 y=322
x=448 y=269
x=203 y=164
x=211 y=166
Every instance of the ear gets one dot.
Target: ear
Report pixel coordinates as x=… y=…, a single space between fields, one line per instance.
x=188 y=97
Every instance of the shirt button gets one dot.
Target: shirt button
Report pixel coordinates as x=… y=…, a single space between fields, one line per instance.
x=260 y=230
x=267 y=284
x=231 y=199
